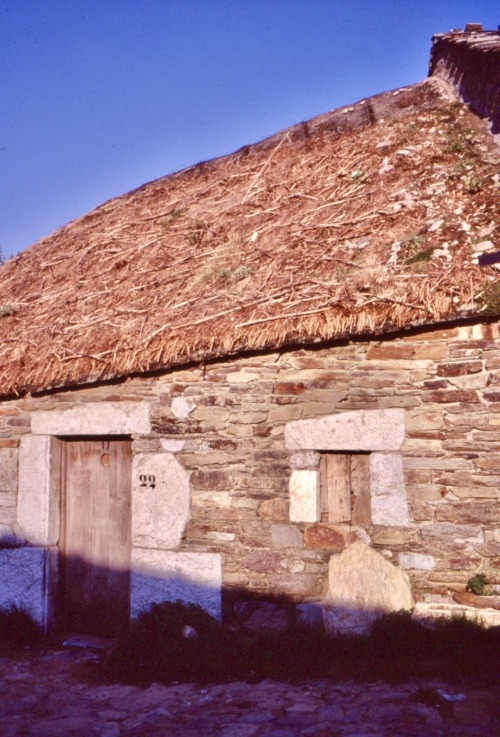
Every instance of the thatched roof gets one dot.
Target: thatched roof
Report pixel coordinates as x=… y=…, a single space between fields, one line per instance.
x=360 y=221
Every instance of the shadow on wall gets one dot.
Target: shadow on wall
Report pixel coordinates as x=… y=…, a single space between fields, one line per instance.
x=74 y=594
x=71 y=594
x=177 y=634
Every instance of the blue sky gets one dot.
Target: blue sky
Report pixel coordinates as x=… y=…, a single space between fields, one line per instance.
x=100 y=96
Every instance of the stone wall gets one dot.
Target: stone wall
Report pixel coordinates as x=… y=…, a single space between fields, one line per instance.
x=225 y=425
x=470 y=62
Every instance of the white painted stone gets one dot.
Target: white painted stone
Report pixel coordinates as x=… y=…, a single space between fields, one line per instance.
x=307 y=459
x=24 y=575
x=160 y=506
x=362 y=586
x=387 y=488
x=182 y=407
x=417 y=561
x=160 y=575
x=172 y=446
x=38 y=504
x=8 y=469
x=304 y=496
x=376 y=430
x=94 y=418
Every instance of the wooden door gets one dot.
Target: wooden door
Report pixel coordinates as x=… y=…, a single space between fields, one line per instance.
x=345 y=488
x=96 y=536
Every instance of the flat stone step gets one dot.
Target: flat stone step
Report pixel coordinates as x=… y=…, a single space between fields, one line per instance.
x=426 y=612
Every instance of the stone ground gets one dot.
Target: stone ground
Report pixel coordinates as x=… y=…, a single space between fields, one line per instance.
x=47 y=695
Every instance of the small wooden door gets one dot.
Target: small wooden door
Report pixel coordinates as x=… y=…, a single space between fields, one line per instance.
x=96 y=536
x=345 y=488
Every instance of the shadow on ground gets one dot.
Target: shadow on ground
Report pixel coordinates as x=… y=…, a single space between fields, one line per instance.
x=178 y=641
x=174 y=642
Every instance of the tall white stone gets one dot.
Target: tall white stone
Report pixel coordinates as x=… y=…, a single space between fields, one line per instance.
x=304 y=496
x=161 y=498
x=389 y=504
x=38 y=505
x=362 y=586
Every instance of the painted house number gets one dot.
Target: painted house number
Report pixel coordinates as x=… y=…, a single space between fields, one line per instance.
x=147 y=481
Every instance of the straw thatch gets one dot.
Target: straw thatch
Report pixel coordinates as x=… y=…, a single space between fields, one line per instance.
x=328 y=229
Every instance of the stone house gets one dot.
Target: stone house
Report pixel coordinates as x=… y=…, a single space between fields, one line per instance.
x=246 y=380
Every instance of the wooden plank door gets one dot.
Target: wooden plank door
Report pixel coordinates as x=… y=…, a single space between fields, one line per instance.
x=345 y=488
x=336 y=481
x=96 y=535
